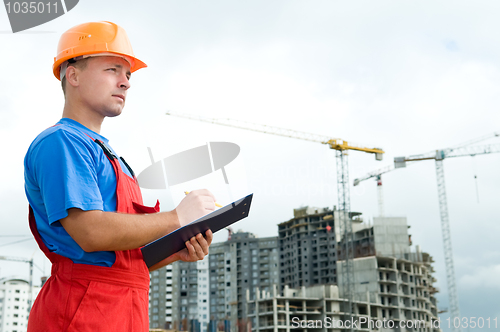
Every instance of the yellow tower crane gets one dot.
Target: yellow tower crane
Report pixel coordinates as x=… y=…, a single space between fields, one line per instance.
x=341 y=147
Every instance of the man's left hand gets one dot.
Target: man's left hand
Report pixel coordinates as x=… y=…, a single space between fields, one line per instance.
x=196 y=248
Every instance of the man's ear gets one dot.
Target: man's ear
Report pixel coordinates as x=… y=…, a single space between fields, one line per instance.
x=72 y=76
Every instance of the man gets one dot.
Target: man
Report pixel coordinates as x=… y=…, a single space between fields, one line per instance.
x=86 y=209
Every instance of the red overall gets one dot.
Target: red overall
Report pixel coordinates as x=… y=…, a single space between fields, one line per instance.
x=82 y=297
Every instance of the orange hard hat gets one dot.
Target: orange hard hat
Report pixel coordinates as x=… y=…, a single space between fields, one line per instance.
x=95 y=38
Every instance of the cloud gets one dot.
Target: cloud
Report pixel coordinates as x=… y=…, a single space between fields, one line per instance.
x=484 y=277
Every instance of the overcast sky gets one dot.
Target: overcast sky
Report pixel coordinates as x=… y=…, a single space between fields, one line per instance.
x=409 y=77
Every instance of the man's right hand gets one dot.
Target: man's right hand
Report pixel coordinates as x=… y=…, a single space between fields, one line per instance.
x=195 y=205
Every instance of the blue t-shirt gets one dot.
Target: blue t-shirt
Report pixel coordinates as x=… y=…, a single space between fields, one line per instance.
x=65 y=169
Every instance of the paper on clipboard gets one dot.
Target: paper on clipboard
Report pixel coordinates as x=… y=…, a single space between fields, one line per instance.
x=168 y=245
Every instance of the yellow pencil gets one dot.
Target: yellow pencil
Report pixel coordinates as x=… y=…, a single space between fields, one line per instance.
x=216 y=204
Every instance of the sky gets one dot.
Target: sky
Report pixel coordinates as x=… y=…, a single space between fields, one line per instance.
x=407 y=77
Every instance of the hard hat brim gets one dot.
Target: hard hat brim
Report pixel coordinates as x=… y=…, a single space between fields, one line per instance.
x=135 y=64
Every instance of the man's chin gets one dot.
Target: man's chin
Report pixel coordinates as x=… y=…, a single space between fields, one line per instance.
x=113 y=113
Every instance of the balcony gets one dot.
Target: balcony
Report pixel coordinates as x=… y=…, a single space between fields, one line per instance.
x=385 y=281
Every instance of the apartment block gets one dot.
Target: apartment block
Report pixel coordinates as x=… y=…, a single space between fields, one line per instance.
x=308 y=248
x=240 y=264
x=190 y=295
x=14 y=296
x=160 y=298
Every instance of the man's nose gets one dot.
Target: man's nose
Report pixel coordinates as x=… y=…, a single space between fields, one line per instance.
x=125 y=83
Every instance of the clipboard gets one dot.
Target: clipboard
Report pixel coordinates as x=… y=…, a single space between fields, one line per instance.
x=173 y=242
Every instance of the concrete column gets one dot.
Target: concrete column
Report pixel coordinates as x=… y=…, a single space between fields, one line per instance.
x=275 y=313
x=304 y=304
x=247 y=296
x=369 y=310
x=257 y=310
x=287 y=315
x=323 y=314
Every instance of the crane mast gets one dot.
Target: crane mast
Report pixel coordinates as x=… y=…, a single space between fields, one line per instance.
x=344 y=201
x=439 y=156
x=345 y=224
x=447 y=246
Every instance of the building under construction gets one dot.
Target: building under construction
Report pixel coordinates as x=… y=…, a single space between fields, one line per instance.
x=396 y=281
x=319 y=308
x=391 y=281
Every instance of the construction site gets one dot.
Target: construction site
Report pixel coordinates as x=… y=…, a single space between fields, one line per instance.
x=364 y=134
x=371 y=270
x=327 y=266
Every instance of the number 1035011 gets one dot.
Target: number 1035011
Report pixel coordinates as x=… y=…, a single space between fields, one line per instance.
x=31 y=7
x=472 y=322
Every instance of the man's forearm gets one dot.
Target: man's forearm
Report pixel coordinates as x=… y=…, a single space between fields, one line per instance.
x=110 y=231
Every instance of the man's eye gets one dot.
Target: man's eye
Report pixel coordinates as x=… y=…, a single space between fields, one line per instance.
x=113 y=69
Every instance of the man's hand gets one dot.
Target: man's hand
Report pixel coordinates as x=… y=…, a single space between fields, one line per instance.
x=196 y=248
x=195 y=205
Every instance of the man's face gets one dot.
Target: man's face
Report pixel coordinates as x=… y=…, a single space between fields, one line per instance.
x=104 y=84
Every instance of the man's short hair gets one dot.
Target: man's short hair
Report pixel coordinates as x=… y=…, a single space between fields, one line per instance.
x=80 y=64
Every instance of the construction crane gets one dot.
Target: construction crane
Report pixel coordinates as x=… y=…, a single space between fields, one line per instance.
x=439 y=156
x=477 y=140
x=341 y=147
x=378 y=173
x=378 y=177
x=30 y=262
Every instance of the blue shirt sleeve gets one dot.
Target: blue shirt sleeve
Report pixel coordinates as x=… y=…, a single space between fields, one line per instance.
x=65 y=170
